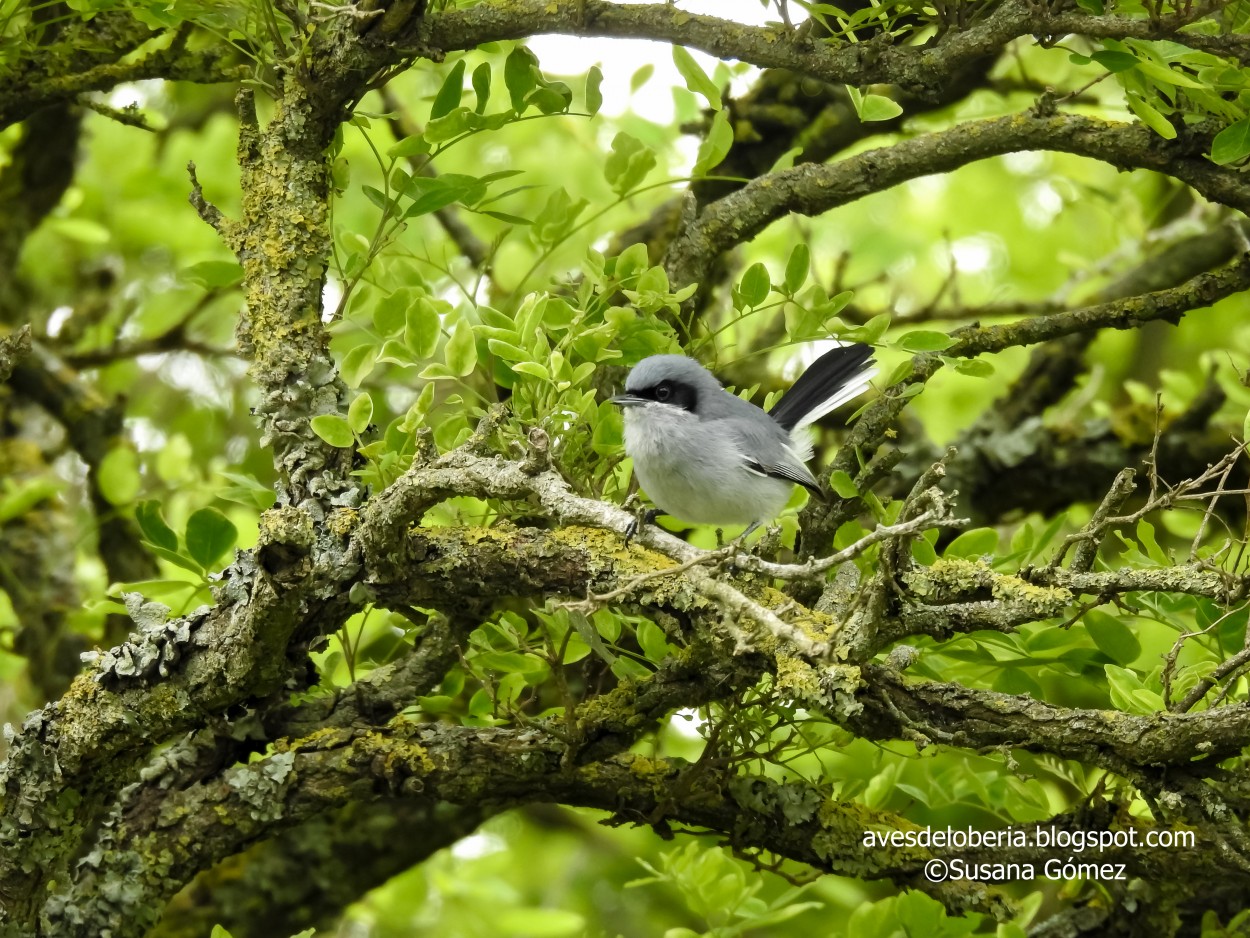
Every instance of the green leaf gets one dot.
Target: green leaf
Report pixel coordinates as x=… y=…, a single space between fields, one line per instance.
x=153 y=526
x=507 y=351
x=177 y=559
x=640 y=77
x=436 y=193
x=409 y=146
x=481 y=704
x=533 y=369
x=212 y=275
x=923 y=552
x=1232 y=144
x=557 y=216
x=360 y=413
x=1128 y=693
x=870 y=332
x=715 y=146
x=1160 y=72
x=1114 y=61
x=481 y=86
x=118 y=475
x=975 y=367
x=842 y=484
x=925 y=341
x=436 y=704
x=1146 y=537
x=448 y=97
x=334 y=429
x=627 y=668
x=696 y=79
x=755 y=285
x=448 y=126
x=519 y=71
x=797 y=268
x=1113 y=637
x=628 y=163
x=394 y=352
x=902 y=371
x=421 y=328
x=594 y=96
x=161 y=591
x=652 y=641
x=358 y=364
x=875 y=107
x=209 y=534
x=975 y=543
x=551 y=98
x=378 y=198
x=247 y=490
x=510 y=219
x=461 y=351
x=1149 y=116
x=355 y=265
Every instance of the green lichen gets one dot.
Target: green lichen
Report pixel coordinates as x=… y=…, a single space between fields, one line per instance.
x=286 y=525
x=962 y=580
x=796 y=678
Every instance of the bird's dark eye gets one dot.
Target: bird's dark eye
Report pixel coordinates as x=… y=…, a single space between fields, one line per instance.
x=663 y=392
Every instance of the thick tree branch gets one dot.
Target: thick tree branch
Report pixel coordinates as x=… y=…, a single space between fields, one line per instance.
x=521 y=766
x=94 y=63
x=918 y=69
x=93 y=737
x=307 y=875
x=980 y=719
x=812 y=189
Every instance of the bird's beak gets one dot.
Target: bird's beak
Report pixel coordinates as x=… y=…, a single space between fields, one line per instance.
x=629 y=400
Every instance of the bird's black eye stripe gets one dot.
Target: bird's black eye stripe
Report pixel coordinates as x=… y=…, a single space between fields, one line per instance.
x=676 y=393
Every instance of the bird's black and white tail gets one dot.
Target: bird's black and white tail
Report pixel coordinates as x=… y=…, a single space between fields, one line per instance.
x=833 y=379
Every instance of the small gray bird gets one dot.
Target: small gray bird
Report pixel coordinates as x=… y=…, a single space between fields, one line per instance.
x=706 y=456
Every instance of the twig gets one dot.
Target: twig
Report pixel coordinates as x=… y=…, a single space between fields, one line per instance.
x=1090 y=537
x=1199 y=690
x=816 y=567
x=210 y=213
x=130 y=115
x=1206 y=515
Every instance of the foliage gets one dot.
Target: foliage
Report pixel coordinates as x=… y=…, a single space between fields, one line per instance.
x=322 y=456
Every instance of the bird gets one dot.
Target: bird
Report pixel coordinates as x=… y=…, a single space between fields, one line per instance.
x=706 y=456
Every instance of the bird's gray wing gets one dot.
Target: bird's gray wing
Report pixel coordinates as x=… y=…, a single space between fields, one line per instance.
x=765 y=448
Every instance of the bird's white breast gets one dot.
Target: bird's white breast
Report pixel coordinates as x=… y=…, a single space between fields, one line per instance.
x=694 y=473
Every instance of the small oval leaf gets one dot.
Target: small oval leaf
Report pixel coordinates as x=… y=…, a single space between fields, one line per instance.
x=209 y=534
x=360 y=413
x=153 y=526
x=334 y=429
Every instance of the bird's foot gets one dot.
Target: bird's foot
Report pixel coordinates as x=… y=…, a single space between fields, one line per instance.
x=647 y=517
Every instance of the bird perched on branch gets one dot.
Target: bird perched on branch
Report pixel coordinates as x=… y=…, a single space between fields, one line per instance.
x=706 y=456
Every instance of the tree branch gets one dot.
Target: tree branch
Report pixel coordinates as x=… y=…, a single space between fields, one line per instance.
x=918 y=69
x=814 y=189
